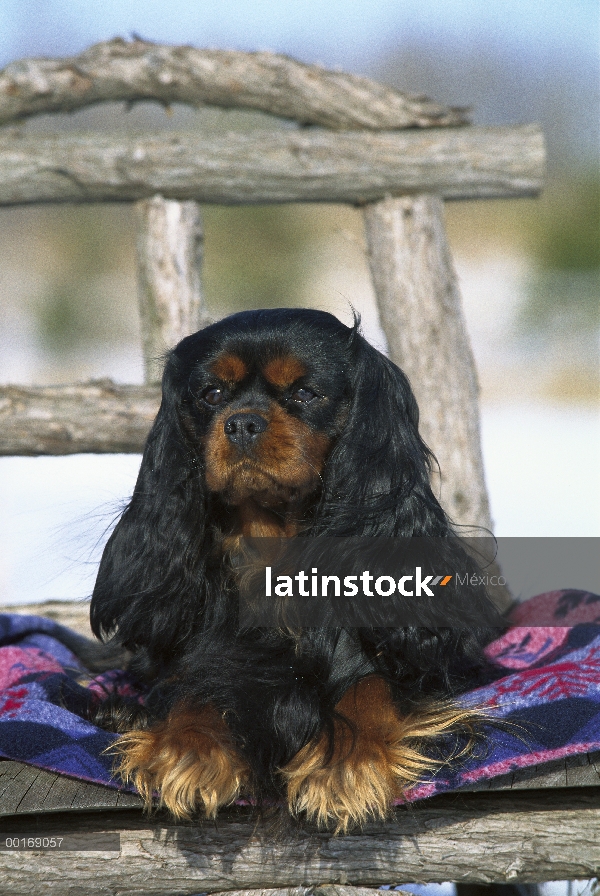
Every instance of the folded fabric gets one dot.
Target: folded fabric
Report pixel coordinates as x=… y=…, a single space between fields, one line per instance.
x=43 y=685
x=545 y=702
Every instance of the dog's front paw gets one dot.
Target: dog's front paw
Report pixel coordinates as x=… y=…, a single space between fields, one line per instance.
x=343 y=791
x=189 y=758
x=375 y=757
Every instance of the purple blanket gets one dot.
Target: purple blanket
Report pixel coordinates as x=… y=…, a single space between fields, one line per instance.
x=547 y=690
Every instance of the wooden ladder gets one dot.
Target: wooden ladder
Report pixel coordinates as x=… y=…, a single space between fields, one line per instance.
x=396 y=156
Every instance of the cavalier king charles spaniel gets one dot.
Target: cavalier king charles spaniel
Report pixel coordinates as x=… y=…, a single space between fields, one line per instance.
x=283 y=424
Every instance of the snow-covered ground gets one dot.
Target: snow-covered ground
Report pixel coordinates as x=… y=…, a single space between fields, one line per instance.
x=541 y=464
x=543 y=470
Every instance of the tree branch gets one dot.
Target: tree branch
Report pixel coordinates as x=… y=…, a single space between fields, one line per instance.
x=118 y=70
x=420 y=307
x=272 y=166
x=471 y=838
x=169 y=254
x=98 y=417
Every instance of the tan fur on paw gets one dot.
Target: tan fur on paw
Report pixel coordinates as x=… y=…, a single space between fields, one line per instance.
x=375 y=757
x=190 y=759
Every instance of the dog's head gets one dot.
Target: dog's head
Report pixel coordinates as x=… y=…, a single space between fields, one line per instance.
x=265 y=397
x=271 y=422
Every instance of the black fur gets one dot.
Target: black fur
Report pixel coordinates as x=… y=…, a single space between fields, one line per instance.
x=165 y=589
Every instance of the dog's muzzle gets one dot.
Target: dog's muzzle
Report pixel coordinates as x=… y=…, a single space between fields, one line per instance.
x=243 y=429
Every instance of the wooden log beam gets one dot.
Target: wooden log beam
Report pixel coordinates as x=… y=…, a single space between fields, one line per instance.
x=469 y=838
x=99 y=417
x=117 y=70
x=272 y=166
x=420 y=308
x=27 y=790
x=169 y=254
x=325 y=890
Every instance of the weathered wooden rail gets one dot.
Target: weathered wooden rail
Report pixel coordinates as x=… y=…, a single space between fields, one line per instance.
x=272 y=166
x=99 y=417
x=544 y=825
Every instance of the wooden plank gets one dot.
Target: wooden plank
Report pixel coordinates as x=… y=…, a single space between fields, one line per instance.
x=595 y=761
x=574 y=771
x=15 y=786
x=471 y=838
x=99 y=417
x=327 y=890
x=60 y=795
x=534 y=777
x=8 y=772
x=27 y=790
x=581 y=771
x=96 y=796
x=421 y=312
x=169 y=255
x=37 y=792
x=272 y=166
x=127 y=800
x=116 y=70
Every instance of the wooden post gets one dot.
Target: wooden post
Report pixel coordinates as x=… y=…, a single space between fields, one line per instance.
x=420 y=308
x=169 y=250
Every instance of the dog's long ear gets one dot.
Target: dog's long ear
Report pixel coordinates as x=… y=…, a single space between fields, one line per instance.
x=377 y=477
x=151 y=578
x=376 y=483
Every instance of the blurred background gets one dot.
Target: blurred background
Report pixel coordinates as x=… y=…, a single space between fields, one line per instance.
x=529 y=269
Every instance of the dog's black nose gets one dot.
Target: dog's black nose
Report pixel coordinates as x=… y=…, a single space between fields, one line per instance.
x=242 y=429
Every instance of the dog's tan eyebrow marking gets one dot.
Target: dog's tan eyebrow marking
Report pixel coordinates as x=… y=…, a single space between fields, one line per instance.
x=229 y=368
x=284 y=371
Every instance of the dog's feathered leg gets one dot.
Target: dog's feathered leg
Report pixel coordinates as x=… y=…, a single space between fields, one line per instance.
x=190 y=758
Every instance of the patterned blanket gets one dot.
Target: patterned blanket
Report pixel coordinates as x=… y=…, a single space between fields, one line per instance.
x=546 y=696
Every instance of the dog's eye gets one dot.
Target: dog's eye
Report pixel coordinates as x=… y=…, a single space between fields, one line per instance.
x=303 y=396
x=212 y=396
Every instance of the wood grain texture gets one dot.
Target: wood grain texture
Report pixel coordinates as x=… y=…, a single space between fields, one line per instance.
x=509 y=837
x=326 y=890
x=139 y=70
x=573 y=771
x=169 y=256
x=272 y=166
x=27 y=790
x=420 y=308
x=96 y=417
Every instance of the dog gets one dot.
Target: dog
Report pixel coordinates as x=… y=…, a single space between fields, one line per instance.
x=282 y=424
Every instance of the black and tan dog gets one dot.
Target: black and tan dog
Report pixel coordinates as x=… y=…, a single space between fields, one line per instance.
x=278 y=423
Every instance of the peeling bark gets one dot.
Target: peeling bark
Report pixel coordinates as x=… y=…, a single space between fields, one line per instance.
x=272 y=166
x=139 y=70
